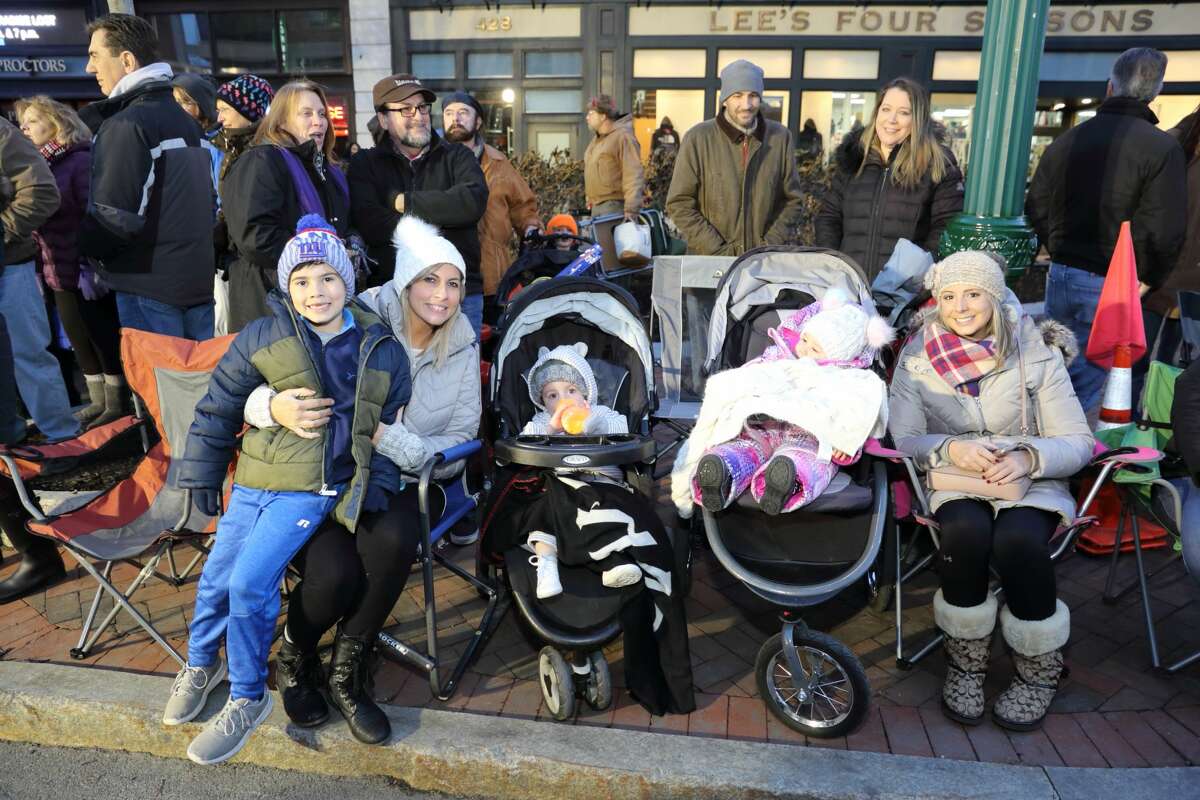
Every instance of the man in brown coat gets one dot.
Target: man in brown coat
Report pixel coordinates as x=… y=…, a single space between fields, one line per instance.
x=735 y=185
x=613 y=177
x=511 y=206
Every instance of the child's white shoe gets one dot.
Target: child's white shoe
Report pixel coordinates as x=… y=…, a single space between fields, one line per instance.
x=621 y=575
x=548 y=584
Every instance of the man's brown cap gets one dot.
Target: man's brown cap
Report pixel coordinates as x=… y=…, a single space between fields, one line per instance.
x=396 y=88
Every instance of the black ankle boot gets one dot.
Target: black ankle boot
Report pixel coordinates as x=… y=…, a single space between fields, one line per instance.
x=298 y=678
x=350 y=689
x=40 y=567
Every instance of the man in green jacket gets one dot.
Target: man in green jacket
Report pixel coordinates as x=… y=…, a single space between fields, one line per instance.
x=735 y=185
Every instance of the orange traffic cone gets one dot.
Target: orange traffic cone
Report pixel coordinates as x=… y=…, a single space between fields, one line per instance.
x=1117 y=408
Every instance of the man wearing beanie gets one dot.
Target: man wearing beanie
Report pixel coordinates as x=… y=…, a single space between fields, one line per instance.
x=735 y=185
x=286 y=483
x=415 y=171
x=613 y=178
x=511 y=204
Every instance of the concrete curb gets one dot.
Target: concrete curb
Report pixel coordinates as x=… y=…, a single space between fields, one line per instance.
x=468 y=754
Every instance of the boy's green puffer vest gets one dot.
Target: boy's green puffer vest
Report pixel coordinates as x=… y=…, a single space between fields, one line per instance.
x=273 y=349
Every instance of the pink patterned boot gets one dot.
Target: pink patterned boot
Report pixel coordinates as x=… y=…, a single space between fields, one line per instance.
x=724 y=472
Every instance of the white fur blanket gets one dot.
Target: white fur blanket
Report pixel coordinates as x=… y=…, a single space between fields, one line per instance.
x=841 y=407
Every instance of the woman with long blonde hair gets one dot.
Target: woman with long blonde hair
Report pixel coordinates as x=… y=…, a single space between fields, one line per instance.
x=87 y=311
x=288 y=172
x=896 y=180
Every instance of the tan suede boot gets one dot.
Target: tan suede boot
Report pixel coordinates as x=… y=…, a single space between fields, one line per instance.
x=968 y=644
x=1038 y=659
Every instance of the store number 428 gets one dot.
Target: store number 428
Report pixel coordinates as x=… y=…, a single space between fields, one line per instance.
x=494 y=24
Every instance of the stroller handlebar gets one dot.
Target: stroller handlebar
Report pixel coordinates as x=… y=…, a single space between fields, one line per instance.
x=566 y=452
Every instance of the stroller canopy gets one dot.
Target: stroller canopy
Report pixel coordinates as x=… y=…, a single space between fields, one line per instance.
x=565 y=311
x=775 y=277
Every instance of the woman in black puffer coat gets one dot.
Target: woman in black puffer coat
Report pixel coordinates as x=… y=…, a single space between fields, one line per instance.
x=895 y=181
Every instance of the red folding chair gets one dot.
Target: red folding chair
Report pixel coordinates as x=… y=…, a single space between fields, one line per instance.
x=140 y=519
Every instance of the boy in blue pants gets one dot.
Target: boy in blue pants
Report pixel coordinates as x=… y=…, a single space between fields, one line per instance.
x=285 y=485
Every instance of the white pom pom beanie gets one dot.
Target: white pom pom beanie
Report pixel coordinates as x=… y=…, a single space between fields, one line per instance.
x=845 y=330
x=419 y=246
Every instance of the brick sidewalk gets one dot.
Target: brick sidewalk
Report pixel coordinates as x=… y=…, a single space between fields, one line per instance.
x=1111 y=711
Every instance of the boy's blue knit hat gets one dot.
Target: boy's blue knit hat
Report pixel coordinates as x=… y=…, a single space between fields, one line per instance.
x=315 y=240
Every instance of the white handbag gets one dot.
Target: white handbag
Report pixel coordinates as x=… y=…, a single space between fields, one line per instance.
x=633 y=244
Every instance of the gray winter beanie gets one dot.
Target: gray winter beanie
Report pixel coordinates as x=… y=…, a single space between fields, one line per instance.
x=741 y=76
x=555 y=370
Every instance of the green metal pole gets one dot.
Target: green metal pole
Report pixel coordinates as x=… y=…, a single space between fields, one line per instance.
x=1013 y=35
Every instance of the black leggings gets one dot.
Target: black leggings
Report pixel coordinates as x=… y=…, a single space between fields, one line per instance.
x=94 y=330
x=355 y=578
x=1015 y=541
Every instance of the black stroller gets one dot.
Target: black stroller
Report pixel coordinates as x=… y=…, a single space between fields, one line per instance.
x=812 y=682
x=540 y=258
x=576 y=624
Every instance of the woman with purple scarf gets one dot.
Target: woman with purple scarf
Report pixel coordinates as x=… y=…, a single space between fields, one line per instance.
x=983 y=388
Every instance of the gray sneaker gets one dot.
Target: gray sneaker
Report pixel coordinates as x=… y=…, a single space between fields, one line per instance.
x=227 y=732
x=190 y=692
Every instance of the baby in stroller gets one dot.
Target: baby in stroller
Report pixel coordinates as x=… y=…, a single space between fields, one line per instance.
x=783 y=464
x=563 y=388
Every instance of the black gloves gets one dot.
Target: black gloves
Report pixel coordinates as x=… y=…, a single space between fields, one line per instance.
x=207 y=501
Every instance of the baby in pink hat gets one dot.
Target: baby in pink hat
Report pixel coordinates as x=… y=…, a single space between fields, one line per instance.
x=777 y=461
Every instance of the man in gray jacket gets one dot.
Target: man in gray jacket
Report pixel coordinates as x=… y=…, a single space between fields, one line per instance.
x=735 y=185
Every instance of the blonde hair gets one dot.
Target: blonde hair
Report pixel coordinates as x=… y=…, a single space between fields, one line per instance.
x=69 y=129
x=920 y=153
x=439 y=344
x=273 y=130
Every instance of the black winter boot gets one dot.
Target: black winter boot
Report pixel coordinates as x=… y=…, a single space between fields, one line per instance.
x=41 y=566
x=349 y=687
x=298 y=678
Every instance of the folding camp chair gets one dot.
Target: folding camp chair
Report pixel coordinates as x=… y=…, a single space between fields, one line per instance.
x=1106 y=460
x=458 y=503
x=139 y=519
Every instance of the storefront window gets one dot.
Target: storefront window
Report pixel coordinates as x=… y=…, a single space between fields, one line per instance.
x=183 y=40
x=489 y=65
x=837 y=114
x=553 y=101
x=956 y=65
x=954 y=112
x=1182 y=65
x=774 y=104
x=312 y=40
x=668 y=63
x=546 y=142
x=774 y=63
x=433 y=66
x=245 y=42
x=842 y=64
x=1075 y=67
x=497 y=127
x=685 y=107
x=553 y=65
x=1171 y=108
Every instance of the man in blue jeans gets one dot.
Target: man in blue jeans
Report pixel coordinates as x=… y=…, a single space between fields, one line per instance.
x=1114 y=167
x=152 y=206
x=28 y=197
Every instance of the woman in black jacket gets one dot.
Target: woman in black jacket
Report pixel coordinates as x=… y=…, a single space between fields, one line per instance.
x=263 y=197
x=895 y=181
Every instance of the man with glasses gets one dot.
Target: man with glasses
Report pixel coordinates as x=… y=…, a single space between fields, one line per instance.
x=414 y=171
x=511 y=206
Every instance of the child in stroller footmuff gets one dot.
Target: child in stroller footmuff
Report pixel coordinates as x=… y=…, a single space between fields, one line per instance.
x=787 y=465
x=563 y=388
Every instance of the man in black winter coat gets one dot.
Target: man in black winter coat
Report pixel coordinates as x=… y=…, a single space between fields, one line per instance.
x=150 y=215
x=1114 y=167
x=414 y=171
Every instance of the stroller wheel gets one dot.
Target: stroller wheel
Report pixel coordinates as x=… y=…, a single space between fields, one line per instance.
x=558 y=683
x=830 y=695
x=599 y=689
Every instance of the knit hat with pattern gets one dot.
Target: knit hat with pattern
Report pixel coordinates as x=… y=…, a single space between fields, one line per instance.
x=315 y=241
x=969 y=268
x=249 y=95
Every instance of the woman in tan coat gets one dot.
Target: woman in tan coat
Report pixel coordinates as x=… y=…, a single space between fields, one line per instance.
x=984 y=389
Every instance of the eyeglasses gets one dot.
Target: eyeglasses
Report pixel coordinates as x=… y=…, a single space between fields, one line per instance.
x=408 y=112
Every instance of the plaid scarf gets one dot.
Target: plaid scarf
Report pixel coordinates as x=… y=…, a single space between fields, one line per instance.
x=52 y=150
x=957 y=359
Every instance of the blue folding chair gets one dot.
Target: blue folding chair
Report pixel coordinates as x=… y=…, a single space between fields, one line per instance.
x=459 y=503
